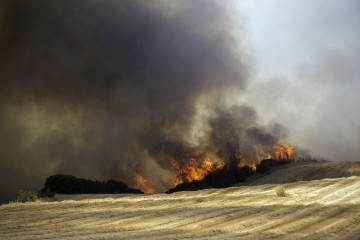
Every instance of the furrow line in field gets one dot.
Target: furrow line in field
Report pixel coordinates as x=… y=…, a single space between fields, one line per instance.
x=281 y=220
x=340 y=220
x=342 y=195
x=240 y=220
x=317 y=196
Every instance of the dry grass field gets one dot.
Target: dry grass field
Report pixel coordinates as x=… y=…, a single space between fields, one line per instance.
x=316 y=209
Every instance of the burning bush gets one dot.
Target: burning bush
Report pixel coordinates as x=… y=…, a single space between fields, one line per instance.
x=142 y=183
x=221 y=178
x=194 y=169
x=199 y=171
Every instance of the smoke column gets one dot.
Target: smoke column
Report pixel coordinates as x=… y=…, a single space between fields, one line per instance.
x=104 y=89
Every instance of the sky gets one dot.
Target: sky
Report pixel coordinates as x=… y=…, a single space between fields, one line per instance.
x=110 y=89
x=307 y=60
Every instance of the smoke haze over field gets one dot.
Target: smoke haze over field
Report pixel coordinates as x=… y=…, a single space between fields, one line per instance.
x=107 y=89
x=95 y=88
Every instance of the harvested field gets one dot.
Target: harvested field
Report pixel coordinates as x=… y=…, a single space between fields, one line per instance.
x=317 y=209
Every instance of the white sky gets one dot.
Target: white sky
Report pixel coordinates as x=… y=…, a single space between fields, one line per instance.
x=282 y=29
x=307 y=70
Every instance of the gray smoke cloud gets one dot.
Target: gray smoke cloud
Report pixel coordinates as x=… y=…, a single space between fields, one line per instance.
x=107 y=89
x=236 y=135
x=93 y=88
x=308 y=72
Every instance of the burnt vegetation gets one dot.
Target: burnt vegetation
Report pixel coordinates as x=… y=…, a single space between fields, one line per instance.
x=67 y=184
x=221 y=178
x=266 y=165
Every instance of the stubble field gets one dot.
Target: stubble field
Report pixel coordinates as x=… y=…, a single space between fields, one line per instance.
x=316 y=209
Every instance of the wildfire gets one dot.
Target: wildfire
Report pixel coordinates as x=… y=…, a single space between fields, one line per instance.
x=142 y=184
x=198 y=165
x=193 y=170
x=283 y=152
x=253 y=167
x=264 y=155
x=279 y=152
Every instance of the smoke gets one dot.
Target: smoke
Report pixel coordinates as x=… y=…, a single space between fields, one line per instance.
x=236 y=135
x=96 y=88
x=114 y=89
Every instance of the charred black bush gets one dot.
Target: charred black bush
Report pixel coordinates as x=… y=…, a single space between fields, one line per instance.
x=220 y=179
x=267 y=164
x=68 y=184
x=191 y=186
x=241 y=174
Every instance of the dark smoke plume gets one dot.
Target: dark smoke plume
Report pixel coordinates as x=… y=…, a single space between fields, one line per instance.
x=104 y=89
x=235 y=135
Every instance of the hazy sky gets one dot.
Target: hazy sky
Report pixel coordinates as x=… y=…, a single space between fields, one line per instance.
x=106 y=89
x=307 y=71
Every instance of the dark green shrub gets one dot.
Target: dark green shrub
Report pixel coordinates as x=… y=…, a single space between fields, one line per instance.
x=25 y=196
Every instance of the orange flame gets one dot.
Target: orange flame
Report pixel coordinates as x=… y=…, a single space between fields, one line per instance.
x=198 y=165
x=279 y=152
x=264 y=155
x=253 y=167
x=193 y=170
x=142 y=184
x=284 y=152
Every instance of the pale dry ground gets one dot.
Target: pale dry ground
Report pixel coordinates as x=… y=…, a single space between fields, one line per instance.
x=317 y=209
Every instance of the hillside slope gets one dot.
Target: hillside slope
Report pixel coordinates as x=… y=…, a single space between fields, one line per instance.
x=318 y=209
x=306 y=171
